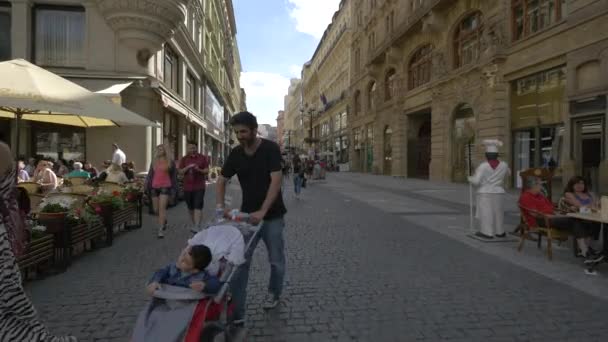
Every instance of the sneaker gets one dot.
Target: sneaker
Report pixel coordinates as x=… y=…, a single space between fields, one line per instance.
x=238 y=322
x=593 y=259
x=501 y=235
x=271 y=302
x=161 y=234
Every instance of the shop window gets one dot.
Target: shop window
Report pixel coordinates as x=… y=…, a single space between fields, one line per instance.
x=171 y=69
x=357 y=138
x=538 y=99
x=531 y=16
x=171 y=132
x=5 y=31
x=467 y=40
x=191 y=90
x=420 y=67
x=537 y=147
x=59 y=36
x=390 y=84
x=59 y=142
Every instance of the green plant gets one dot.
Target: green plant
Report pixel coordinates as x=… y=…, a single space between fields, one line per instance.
x=114 y=199
x=54 y=208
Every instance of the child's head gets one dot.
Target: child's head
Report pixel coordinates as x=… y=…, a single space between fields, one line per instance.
x=194 y=258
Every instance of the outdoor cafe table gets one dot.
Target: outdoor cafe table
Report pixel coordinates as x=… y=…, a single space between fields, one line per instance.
x=595 y=217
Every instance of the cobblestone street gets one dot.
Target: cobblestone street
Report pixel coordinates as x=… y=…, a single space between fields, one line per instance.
x=370 y=258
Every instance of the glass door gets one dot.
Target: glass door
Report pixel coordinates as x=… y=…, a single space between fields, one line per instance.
x=588 y=149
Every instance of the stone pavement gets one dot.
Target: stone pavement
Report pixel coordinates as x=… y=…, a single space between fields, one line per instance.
x=370 y=258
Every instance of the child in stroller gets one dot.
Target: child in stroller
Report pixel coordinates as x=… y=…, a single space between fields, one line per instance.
x=183 y=314
x=188 y=271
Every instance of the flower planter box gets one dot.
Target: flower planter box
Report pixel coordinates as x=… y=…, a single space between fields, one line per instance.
x=37 y=252
x=84 y=233
x=54 y=222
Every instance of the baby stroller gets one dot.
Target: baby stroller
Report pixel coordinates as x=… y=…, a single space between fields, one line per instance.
x=177 y=314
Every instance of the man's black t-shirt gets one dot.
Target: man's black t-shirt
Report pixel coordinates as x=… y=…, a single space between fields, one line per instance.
x=254 y=176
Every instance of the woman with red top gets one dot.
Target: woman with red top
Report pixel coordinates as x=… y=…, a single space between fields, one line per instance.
x=532 y=199
x=160 y=184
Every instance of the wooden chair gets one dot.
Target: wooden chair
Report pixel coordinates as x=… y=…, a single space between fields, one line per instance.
x=111 y=187
x=548 y=231
x=82 y=189
x=30 y=187
x=77 y=180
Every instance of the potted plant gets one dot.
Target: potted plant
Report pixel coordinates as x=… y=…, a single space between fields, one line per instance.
x=132 y=193
x=104 y=203
x=53 y=216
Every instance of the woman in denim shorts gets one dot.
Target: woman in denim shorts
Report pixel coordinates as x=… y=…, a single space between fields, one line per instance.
x=160 y=183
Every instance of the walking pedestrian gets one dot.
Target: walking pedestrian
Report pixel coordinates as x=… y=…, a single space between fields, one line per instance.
x=19 y=319
x=118 y=156
x=257 y=163
x=195 y=168
x=160 y=184
x=489 y=178
x=298 y=175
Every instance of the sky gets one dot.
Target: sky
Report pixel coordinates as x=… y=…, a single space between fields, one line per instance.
x=276 y=37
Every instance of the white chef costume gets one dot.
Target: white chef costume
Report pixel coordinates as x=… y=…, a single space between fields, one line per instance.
x=490 y=192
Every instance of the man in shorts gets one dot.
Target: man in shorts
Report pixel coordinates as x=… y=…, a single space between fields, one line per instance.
x=194 y=167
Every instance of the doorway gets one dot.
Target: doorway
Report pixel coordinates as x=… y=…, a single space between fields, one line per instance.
x=463 y=143
x=419 y=145
x=588 y=150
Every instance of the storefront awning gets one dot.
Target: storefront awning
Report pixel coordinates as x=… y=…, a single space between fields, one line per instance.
x=172 y=104
x=106 y=87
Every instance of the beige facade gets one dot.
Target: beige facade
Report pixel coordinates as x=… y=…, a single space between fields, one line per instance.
x=325 y=83
x=149 y=55
x=431 y=79
x=293 y=130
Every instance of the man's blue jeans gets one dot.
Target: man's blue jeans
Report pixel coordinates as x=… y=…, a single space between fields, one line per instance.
x=297 y=183
x=272 y=235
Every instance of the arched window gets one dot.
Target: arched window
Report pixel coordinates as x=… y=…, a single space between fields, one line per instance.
x=371 y=96
x=420 y=66
x=390 y=84
x=357 y=99
x=467 y=40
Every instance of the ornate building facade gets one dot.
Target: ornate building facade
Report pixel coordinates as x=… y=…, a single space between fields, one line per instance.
x=325 y=84
x=172 y=61
x=432 y=78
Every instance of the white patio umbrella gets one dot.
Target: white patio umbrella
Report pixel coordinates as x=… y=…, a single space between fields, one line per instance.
x=28 y=92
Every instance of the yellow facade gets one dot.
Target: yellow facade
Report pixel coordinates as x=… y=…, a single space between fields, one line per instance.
x=325 y=84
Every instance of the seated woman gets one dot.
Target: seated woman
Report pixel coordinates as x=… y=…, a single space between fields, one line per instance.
x=46 y=177
x=78 y=172
x=533 y=199
x=116 y=175
x=577 y=196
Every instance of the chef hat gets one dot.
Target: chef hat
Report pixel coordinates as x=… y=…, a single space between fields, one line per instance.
x=492 y=145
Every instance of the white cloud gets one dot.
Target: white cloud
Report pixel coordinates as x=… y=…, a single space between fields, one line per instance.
x=295 y=70
x=265 y=92
x=312 y=16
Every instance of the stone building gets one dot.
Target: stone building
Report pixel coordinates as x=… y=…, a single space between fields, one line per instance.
x=432 y=78
x=325 y=83
x=172 y=61
x=293 y=130
x=281 y=129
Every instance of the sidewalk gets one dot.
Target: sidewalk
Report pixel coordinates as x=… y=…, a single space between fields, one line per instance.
x=444 y=208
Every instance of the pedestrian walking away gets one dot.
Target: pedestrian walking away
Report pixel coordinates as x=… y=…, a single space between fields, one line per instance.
x=195 y=168
x=160 y=184
x=19 y=321
x=298 y=175
x=257 y=163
